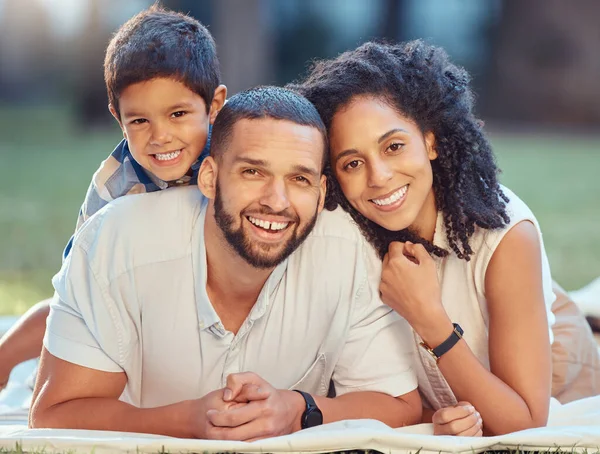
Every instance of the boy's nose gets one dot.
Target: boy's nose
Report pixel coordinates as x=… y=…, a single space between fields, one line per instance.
x=161 y=135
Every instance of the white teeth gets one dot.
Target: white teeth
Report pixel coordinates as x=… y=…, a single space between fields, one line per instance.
x=167 y=156
x=268 y=225
x=393 y=198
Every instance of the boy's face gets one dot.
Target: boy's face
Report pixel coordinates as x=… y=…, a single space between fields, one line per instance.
x=166 y=125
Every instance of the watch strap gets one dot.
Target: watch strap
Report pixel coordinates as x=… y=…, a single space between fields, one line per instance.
x=311 y=409
x=444 y=347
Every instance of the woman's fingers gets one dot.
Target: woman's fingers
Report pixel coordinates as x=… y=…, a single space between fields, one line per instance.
x=461 y=419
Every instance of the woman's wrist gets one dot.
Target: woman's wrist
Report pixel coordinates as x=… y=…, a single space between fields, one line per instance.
x=436 y=330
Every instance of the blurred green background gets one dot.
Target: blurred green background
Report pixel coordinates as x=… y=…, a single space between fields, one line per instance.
x=534 y=62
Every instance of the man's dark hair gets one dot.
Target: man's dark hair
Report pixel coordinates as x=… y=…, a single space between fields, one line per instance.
x=420 y=83
x=162 y=43
x=264 y=102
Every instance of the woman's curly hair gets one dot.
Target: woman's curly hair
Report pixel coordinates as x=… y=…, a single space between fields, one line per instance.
x=419 y=82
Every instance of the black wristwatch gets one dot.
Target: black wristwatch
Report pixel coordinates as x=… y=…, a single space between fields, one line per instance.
x=312 y=416
x=438 y=351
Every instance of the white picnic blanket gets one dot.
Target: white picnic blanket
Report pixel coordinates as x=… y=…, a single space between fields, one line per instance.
x=575 y=435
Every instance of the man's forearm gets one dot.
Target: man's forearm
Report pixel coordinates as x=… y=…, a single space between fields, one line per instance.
x=174 y=420
x=395 y=412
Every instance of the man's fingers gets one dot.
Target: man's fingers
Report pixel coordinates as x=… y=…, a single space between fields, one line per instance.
x=448 y=414
x=253 y=430
x=235 y=383
x=235 y=417
x=252 y=392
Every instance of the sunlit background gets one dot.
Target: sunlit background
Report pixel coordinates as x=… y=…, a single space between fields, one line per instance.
x=535 y=63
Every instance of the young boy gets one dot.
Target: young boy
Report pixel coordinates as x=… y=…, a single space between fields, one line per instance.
x=164 y=88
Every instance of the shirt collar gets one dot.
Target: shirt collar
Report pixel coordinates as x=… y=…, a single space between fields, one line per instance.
x=183 y=181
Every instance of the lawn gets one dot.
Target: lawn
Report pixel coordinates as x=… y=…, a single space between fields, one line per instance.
x=46 y=166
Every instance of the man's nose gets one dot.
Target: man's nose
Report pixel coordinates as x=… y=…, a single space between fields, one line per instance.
x=275 y=196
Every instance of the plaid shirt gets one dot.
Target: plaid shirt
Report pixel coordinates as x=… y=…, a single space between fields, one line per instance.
x=120 y=175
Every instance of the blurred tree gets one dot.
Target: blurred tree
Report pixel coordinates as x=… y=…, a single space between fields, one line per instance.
x=90 y=93
x=298 y=42
x=391 y=19
x=545 y=65
x=244 y=43
x=27 y=51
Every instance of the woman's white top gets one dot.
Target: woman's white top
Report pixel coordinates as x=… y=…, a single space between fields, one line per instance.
x=463 y=296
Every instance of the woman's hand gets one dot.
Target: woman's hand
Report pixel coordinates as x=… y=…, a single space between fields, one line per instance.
x=409 y=285
x=462 y=419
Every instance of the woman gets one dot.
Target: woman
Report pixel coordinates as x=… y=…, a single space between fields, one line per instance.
x=410 y=162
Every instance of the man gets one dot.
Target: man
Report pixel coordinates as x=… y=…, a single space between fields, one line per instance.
x=204 y=312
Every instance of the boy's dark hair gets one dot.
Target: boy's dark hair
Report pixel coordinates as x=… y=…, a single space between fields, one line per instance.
x=420 y=83
x=162 y=43
x=264 y=102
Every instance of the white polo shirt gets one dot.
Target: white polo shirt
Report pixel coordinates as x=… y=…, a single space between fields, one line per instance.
x=133 y=299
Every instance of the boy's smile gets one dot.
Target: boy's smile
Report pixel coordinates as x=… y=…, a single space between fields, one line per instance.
x=166 y=125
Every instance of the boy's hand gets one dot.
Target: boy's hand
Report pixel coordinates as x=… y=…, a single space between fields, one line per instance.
x=462 y=419
x=269 y=412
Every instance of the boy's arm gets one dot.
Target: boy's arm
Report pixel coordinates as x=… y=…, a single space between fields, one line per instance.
x=24 y=340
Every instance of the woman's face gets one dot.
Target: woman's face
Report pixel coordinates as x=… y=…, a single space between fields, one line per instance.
x=382 y=162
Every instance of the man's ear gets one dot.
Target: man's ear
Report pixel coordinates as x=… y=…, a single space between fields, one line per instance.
x=322 y=193
x=116 y=116
x=207 y=177
x=432 y=153
x=217 y=102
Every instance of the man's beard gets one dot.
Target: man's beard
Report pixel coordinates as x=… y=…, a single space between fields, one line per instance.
x=249 y=250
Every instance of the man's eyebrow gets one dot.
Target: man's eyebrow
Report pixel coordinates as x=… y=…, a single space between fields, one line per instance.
x=298 y=168
x=391 y=132
x=307 y=170
x=251 y=161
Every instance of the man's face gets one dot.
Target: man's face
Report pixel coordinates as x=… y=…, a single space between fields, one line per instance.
x=269 y=188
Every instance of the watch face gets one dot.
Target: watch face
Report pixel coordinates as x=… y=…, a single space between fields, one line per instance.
x=313 y=418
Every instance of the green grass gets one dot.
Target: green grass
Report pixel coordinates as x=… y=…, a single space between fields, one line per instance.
x=46 y=165
x=558 y=178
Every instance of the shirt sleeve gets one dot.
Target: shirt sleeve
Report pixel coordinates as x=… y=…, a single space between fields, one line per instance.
x=378 y=354
x=84 y=326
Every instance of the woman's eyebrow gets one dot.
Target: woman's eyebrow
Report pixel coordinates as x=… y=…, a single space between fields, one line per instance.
x=391 y=132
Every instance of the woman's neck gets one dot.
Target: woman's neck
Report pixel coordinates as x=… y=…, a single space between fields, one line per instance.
x=426 y=220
